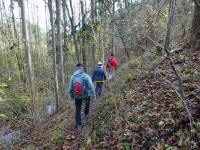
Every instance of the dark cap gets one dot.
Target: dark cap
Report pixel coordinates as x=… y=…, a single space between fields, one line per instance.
x=79 y=65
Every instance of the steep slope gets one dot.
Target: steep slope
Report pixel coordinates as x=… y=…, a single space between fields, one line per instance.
x=149 y=113
x=139 y=111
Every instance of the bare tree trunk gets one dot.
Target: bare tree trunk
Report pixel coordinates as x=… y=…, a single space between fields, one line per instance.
x=95 y=10
x=17 y=38
x=83 y=36
x=59 y=40
x=196 y=25
x=50 y=6
x=102 y=36
x=92 y=16
x=124 y=43
x=65 y=49
x=28 y=62
x=126 y=2
x=113 y=28
x=73 y=29
x=166 y=48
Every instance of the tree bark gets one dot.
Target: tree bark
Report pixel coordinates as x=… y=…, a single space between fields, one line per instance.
x=126 y=2
x=50 y=6
x=196 y=24
x=28 y=62
x=124 y=43
x=113 y=28
x=59 y=40
x=73 y=29
x=16 y=36
x=92 y=16
x=83 y=33
x=65 y=49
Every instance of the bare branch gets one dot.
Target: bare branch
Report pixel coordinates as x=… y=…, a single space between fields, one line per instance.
x=166 y=48
x=182 y=99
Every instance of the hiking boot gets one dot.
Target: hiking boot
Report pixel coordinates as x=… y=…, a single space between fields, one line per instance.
x=78 y=126
x=78 y=129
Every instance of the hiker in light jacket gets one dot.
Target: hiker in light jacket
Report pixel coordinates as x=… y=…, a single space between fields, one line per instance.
x=81 y=89
x=99 y=77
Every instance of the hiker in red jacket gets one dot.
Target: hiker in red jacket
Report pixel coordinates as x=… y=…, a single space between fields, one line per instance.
x=111 y=66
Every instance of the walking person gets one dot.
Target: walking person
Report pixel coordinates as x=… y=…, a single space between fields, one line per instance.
x=99 y=77
x=81 y=89
x=111 y=66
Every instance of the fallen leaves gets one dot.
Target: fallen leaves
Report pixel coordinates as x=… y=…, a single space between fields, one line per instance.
x=149 y=116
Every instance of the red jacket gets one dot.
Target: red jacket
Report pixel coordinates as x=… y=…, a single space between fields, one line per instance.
x=112 y=63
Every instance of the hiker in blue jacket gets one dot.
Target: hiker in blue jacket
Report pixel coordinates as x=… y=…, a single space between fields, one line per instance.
x=81 y=89
x=99 y=77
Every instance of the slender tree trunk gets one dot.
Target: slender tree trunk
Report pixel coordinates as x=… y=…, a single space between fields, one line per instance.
x=196 y=25
x=180 y=92
x=113 y=28
x=124 y=44
x=65 y=49
x=102 y=36
x=126 y=2
x=59 y=40
x=92 y=15
x=28 y=62
x=95 y=10
x=73 y=30
x=83 y=36
x=50 y=6
x=17 y=38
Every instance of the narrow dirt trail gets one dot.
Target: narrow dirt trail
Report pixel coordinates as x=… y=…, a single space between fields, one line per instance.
x=74 y=138
x=59 y=131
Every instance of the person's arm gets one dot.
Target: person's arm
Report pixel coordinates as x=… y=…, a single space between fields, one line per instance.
x=90 y=85
x=70 y=89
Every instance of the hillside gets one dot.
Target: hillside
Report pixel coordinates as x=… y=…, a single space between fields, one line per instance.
x=140 y=111
x=55 y=55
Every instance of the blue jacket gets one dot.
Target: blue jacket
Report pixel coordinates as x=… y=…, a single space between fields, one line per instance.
x=87 y=81
x=99 y=74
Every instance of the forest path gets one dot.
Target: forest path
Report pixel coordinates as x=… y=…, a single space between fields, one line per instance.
x=74 y=138
x=59 y=131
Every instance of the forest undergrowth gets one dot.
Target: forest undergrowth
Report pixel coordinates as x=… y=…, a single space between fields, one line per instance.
x=141 y=111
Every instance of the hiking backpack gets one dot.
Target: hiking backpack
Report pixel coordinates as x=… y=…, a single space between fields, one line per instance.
x=78 y=86
x=112 y=62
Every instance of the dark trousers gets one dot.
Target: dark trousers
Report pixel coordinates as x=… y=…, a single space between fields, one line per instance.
x=78 y=103
x=98 y=89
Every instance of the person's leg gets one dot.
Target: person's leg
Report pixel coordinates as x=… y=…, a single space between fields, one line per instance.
x=97 y=88
x=100 y=88
x=78 y=103
x=87 y=106
x=113 y=74
x=110 y=75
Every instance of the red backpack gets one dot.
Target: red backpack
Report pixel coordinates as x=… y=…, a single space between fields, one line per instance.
x=112 y=62
x=78 y=86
